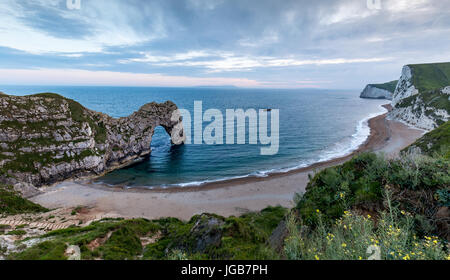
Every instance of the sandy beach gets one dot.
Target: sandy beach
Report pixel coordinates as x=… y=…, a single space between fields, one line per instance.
x=233 y=197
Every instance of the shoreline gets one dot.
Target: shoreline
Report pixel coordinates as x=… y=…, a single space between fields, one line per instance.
x=379 y=134
x=225 y=198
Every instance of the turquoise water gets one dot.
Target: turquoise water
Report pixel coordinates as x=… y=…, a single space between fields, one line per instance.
x=315 y=125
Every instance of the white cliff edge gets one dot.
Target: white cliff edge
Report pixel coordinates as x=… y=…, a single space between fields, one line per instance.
x=373 y=92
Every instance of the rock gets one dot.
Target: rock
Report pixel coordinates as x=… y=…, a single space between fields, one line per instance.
x=405 y=87
x=442 y=218
x=47 y=138
x=207 y=232
x=372 y=92
x=380 y=91
x=428 y=107
x=276 y=240
x=26 y=190
x=73 y=253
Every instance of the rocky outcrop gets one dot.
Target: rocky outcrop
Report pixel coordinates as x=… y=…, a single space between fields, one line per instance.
x=372 y=92
x=421 y=98
x=422 y=110
x=405 y=87
x=47 y=138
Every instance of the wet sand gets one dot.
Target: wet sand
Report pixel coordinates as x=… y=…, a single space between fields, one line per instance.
x=233 y=197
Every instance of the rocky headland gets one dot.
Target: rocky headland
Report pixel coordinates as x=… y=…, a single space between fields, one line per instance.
x=46 y=138
x=420 y=98
x=379 y=91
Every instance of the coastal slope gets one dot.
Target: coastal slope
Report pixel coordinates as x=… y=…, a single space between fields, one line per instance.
x=46 y=138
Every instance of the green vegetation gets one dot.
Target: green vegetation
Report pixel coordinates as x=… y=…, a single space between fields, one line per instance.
x=203 y=237
x=19 y=155
x=433 y=76
x=239 y=238
x=17 y=232
x=79 y=114
x=370 y=206
x=390 y=86
x=436 y=141
x=356 y=237
x=359 y=183
x=47 y=250
x=433 y=98
x=11 y=203
x=372 y=201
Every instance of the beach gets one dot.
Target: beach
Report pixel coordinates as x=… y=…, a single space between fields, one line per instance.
x=226 y=198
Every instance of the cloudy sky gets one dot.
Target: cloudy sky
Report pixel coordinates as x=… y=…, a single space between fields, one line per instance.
x=249 y=43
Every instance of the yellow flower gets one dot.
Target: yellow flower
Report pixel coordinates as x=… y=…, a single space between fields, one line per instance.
x=360 y=258
x=344 y=245
x=368 y=216
x=317 y=257
x=403 y=212
x=318 y=211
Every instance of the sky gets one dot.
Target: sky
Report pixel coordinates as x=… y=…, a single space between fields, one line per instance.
x=342 y=44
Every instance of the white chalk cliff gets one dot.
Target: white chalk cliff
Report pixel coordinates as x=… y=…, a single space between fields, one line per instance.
x=426 y=109
x=405 y=87
x=373 y=92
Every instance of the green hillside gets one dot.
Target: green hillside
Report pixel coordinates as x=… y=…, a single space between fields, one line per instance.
x=436 y=141
x=390 y=86
x=431 y=76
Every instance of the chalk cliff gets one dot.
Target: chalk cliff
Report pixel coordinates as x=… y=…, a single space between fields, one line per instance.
x=422 y=96
x=379 y=91
x=46 y=138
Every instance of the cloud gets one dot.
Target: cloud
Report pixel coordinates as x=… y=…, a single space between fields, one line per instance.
x=47 y=26
x=273 y=42
x=226 y=61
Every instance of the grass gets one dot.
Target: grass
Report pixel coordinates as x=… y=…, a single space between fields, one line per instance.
x=421 y=186
x=390 y=86
x=433 y=76
x=355 y=237
x=242 y=237
x=47 y=250
x=436 y=141
x=17 y=232
x=11 y=203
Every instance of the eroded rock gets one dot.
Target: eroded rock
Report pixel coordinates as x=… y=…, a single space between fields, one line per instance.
x=47 y=138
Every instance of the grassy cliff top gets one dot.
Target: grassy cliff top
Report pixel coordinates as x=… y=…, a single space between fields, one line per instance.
x=431 y=76
x=390 y=86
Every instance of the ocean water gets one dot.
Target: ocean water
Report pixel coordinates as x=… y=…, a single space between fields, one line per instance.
x=315 y=125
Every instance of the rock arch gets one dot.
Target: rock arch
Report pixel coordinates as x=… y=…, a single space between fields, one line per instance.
x=46 y=138
x=130 y=137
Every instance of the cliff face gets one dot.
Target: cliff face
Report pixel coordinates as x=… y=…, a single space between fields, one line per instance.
x=47 y=138
x=421 y=98
x=373 y=92
x=405 y=87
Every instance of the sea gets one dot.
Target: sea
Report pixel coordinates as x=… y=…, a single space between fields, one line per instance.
x=314 y=125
